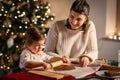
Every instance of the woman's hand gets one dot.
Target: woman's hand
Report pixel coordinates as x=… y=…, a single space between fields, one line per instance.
x=84 y=61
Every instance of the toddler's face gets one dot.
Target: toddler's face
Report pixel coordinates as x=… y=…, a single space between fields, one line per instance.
x=36 y=46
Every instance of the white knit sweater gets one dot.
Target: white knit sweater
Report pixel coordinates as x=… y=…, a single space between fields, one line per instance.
x=62 y=41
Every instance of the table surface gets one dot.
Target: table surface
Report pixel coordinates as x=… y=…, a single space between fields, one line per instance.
x=27 y=76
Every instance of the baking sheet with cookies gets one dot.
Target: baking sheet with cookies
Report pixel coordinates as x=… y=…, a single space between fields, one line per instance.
x=101 y=73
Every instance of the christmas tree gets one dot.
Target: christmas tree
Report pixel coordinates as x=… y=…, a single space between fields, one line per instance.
x=15 y=17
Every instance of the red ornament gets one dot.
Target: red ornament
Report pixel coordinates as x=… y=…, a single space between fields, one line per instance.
x=40 y=0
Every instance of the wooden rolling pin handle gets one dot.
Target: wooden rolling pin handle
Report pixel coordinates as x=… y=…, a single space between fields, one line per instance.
x=56 y=63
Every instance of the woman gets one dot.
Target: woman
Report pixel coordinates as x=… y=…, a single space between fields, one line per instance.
x=74 y=37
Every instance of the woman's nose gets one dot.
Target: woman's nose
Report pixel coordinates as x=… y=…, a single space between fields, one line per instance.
x=74 y=22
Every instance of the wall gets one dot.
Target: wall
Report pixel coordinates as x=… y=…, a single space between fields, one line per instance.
x=111 y=17
x=107 y=49
x=99 y=14
x=60 y=8
x=118 y=16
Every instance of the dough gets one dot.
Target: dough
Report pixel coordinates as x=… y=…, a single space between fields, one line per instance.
x=64 y=67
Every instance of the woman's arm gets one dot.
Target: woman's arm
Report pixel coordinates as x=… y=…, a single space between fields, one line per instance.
x=91 y=52
x=92 y=47
x=51 y=41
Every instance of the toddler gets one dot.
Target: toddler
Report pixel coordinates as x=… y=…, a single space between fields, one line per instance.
x=33 y=56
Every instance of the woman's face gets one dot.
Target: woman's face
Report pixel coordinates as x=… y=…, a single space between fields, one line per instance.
x=76 y=20
x=36 y=46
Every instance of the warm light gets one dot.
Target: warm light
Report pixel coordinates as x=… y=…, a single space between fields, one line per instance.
x=10 y=26
x=6 y=11
x=17 y=46
x=23 y=34
x=36 y=10
x=48 y=10
x=26 y=22
x=8 y=67
x=2 y=9
x=38 y=7
x=3 y=26
x=41 y=7
x=26 y=27
x=1 y=54
x=15 y=17
x=35 y=22
x=19 y=15
x=38 y=16
x=52 y=18
x=115 y=37
x=13 y=4
x=1 y=67
x=0 y=14
x=23 y=13
x=44 y=19
x=119 y=38
x=49 y=4
x=46 y=14
x=18 y=12
x=4 y=66
x=8 y=30
x=12 y=33
x=20 y=27
x=42 y=25
x=4 y=14
x=28 y=1
x=110 y=36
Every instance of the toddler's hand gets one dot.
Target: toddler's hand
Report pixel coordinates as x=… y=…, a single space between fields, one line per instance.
x=47 y=66
x=66 y=59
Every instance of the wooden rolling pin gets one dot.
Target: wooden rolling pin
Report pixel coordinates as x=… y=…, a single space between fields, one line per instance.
x=57 y=63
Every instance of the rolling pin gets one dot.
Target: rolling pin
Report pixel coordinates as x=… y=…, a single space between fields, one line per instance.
x=57 y=63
